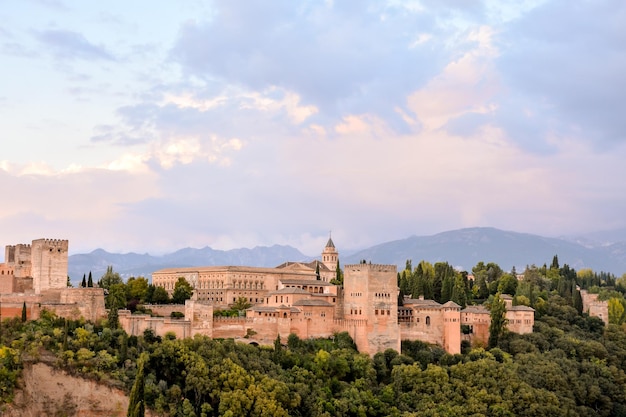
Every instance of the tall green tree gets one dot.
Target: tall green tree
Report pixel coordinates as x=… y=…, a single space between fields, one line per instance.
x=338 y=275
x=616 y=311
x=136 y=403
x=116 y=297
x=24 y=312
x=137 y=288
x=459 y=291
x=90 y=281
x=182 y=291
x=83 y=283
x=160 y=296
x=497 y=328
x=507 y=284
x=109 y=279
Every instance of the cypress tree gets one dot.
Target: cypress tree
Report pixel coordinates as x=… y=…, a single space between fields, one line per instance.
x=317 y=270
x=498 y=321
x=90 y=281
x=83 y=284
x=136 y=404
x=24 y=312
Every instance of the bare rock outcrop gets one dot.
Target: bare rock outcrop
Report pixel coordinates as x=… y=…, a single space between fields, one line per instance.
x=46 y=391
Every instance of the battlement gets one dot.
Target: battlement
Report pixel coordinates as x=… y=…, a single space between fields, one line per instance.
x=373 y=267
x=52 y=243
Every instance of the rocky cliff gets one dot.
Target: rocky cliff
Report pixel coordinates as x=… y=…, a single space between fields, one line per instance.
x=46 y=391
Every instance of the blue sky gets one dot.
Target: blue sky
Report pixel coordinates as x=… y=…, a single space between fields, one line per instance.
x=153 y=125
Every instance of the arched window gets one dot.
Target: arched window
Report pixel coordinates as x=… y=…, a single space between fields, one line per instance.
x=428 y=320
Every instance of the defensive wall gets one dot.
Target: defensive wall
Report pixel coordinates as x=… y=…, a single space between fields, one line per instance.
x=595 y=307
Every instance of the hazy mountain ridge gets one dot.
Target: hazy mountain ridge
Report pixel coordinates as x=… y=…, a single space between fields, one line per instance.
x=133 y=264
x=462 y=248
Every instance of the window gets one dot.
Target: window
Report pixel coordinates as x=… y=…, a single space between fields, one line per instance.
x=428 y=320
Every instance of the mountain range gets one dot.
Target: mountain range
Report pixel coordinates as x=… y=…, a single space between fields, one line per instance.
x=462 y=248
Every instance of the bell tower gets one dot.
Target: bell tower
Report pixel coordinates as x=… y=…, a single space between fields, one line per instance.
x=330 y=256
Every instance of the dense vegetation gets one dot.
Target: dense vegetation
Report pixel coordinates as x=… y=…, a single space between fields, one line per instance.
x=572 y=365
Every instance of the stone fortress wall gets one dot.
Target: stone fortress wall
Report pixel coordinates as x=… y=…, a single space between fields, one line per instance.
x=287 y=299
x=35 y=275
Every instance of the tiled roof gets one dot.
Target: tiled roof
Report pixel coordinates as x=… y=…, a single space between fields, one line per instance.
x=310 y=282
x=475 y=309
x=290 y=290
x=309 y=302
x=521 y=308
x=423 y=303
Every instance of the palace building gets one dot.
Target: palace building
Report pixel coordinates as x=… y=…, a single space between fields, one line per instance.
x=300 y=298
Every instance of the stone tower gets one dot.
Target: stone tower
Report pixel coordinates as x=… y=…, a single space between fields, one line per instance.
x=49 y=264
x=371 y=294
x=330 y=256
x=452 y=327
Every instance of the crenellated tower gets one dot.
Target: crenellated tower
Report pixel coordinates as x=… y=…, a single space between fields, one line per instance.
x=371 y=294
x=49 y=264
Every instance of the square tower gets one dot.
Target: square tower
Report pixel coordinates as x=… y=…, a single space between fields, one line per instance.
x=49 y=264
x=371 y=294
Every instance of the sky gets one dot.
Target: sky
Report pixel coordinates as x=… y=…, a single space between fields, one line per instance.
x=150 y=126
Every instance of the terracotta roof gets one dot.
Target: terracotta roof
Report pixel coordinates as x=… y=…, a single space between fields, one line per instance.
x=424 y=303
x=311 y=282
x=273 y=309
x=320 y=303
x=451 y=304
x=520 y=308
x=475 y=309
x=290 y=290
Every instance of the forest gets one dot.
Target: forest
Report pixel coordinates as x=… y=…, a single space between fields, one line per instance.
x=571 y=365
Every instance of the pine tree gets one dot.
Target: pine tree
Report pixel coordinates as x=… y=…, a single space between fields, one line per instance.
x=136 y=404
x=90 y=281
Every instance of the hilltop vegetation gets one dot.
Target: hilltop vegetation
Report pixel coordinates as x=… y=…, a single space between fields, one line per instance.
x=572 y=365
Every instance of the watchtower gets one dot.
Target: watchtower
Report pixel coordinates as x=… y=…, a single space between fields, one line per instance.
x=371 y=293
x=49 y=264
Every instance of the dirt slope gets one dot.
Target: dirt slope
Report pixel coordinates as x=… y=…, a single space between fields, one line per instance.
x=49 y=392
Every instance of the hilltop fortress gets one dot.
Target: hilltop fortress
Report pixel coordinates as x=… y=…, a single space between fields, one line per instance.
x=35 y=276
x=293 y=298
x=300 y=298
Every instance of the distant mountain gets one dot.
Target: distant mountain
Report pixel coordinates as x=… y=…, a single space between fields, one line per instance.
x=133 y=264
x=466 y=247
x=599 y=239
x=462 y=248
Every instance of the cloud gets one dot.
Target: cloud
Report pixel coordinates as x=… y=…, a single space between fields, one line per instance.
x=66 y=44
x=338 y=58
x=567 y=69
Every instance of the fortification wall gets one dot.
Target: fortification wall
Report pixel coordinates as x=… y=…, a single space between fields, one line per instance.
x=20 y=256
x=11 y=305
x=594 y=307
x=165 y=310
x=6 y=283
x=137 y=324
x=230 y=327
x=201 y=316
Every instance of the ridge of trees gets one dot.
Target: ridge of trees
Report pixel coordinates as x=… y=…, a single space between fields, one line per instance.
x=571 y=365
